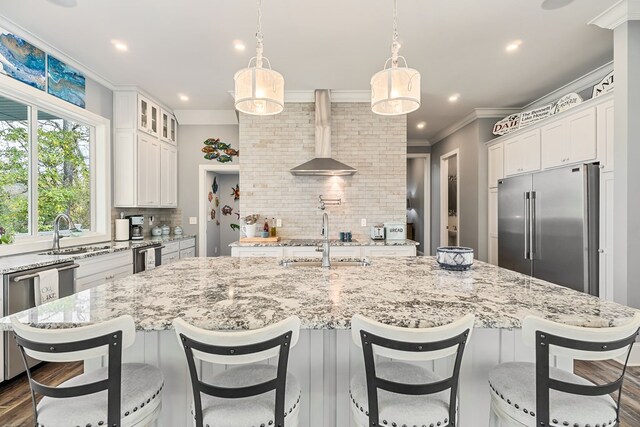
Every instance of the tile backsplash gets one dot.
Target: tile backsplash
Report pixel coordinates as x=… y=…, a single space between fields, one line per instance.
x=375 y=145
x=171 y=217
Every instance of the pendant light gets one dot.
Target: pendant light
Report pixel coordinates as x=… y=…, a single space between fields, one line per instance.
x=396 y=89
x=258 y=90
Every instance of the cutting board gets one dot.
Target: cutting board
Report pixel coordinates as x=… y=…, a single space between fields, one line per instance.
x=259 y=239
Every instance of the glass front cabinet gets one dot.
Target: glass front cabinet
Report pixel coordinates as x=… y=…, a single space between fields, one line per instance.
x=148 y=116
x=164 y=126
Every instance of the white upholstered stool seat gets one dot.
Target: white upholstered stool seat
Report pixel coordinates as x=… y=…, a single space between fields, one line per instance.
x=398 y=410
x=514 y=394
x=141 y=397
x=254 y=411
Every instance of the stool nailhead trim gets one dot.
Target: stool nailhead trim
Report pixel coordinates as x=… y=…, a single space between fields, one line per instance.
x=393 y=424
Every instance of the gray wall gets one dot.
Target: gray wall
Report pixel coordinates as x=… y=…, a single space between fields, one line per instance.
x=415 y=191
x=418 y=149
x=213 y=229
x=99 y=99
x=472 y=182
x=190 y=156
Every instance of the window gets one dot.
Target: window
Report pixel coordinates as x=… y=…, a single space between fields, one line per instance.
x=55 y=158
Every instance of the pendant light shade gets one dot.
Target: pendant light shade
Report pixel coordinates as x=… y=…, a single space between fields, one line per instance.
x=396 y=89
x=259 y=90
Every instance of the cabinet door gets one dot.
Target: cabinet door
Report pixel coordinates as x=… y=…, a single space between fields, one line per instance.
x=124 y=169
x=513 y=156
x=606 y=236
x=604 y=117
x=555 y=146
x=495 y=164
x=148 y=171
x=168 y=175
x=173 y=130
x=188 y=253
x=530 y=143
x=493 y=250
x=581 y=128
x=389 y=251
x=164 y=125
x=142 y=173
x=154 y=117
x=170 y=258
x=144 y=109
x=493 y=212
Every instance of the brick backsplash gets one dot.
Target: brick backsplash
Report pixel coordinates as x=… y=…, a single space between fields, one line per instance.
x=171 y=217
x=374 y=145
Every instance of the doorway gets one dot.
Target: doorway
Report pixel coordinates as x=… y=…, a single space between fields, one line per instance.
x=418 y=200
x=450 y=199
x=219 y=214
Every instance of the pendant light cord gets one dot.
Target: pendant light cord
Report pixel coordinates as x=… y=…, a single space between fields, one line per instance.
x=259 y=46
x=395 y=46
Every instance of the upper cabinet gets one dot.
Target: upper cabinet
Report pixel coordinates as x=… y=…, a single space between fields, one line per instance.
x=604 y=114
x=570 y=140
x=522 y=153
x=145 y=166
x=496 y=164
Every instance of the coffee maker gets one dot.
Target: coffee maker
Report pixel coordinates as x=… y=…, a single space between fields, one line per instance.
x=135 y=227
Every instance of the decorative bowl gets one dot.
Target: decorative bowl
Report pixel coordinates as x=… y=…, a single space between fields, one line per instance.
x=457 y=258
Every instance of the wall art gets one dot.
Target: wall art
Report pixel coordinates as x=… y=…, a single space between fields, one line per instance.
x=227 y=210
x=22 y=60
x=235 y=227
x=218 y=150
x=214 y=186
x=235 y=192
x=65 y=82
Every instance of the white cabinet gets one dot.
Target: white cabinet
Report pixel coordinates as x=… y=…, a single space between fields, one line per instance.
x=95 y=271
x=522 y=153
x=170 y=252
x=606 y=236
x=168 y=175
x=148 y=174
x=570 y=140
x=496 y=164
x=493 y=226
x=188 y=253
x=145 y=165
x=187 y=248
x=254 y=252
x=312 y=252
x=336 y=251
x=388 y=251
x=604 y=115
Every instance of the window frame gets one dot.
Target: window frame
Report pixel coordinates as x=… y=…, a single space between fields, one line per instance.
x=100 y=166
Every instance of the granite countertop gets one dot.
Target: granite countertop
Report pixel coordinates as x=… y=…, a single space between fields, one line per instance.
x=12 y=263
x=317 y=242
x=229 y=293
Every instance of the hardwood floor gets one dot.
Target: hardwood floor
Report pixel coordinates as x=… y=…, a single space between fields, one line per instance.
x=16 y=409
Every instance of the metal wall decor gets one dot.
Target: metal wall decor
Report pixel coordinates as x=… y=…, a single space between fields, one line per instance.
x=220 y=151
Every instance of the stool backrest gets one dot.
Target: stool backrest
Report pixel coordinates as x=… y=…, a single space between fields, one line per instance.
x=238 y=338
x=533 y=324
x=75 y=344
x=70 y=335
x=411 y=344
x=239 y=348
x=552 y=338
x=412 y=335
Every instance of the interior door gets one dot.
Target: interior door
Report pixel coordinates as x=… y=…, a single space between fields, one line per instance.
x=513 y=213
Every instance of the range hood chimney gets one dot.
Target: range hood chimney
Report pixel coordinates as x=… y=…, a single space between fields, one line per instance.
x=323 y=164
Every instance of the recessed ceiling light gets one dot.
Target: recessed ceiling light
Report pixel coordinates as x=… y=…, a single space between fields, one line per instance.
x=65 y=3
x=555 y=4
x=119 y=45
x=183 y=97
x=513 y=46
x=421 y=125
x=454 y=97
x=239 y=45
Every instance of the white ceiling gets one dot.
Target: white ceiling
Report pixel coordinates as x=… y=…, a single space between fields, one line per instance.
x=457 y=45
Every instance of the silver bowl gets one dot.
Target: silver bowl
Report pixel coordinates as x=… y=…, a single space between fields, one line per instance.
x=457 y=258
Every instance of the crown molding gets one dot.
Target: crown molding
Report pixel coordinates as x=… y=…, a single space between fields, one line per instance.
x=578 y=85
x=477 y=113
x=27 y=35
x=619 y=13
x=206 y=117
x=304 y=96
x=418 y=142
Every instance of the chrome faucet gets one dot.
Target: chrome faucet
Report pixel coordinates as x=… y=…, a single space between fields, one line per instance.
x=56 y=229
x=326 y=263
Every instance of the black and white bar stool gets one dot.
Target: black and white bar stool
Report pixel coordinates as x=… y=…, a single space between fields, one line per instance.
x=128 y=394
x=247 y=393
x=409 y=395
x=536 y=394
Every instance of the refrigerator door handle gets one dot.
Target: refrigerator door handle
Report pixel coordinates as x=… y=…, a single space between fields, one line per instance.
x=532 y=225
x=526 y=224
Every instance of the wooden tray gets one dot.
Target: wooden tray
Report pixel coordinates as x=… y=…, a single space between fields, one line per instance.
x=259 y=239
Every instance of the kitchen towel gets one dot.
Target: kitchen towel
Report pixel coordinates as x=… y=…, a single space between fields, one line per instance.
x=122 y=230
x=46 y=286
x=150 y=259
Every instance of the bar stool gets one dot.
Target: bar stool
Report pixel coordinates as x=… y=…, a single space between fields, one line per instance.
x=528 y=394
x=410 y=395
x=242 y=394
x=128 y=394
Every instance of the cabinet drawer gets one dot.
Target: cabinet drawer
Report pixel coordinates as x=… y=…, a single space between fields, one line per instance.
x=303 y=252
x=102 y=263
x=170 y=247
x=94 y=280
x=258 y=252
x=188 y=253
x=187 y=243
x=384 y=251
x=170 y=257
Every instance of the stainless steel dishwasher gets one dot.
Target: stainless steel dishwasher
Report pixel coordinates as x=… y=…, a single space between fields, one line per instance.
x=19 y=295
x=140 y=257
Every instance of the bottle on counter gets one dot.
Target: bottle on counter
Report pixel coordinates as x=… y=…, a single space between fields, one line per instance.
x=273 y=229
x=265 y=228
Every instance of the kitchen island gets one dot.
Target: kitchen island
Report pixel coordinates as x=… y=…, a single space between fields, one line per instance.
x=237 y=293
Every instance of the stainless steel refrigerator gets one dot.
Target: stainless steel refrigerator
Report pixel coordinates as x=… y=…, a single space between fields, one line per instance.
x=548 y=226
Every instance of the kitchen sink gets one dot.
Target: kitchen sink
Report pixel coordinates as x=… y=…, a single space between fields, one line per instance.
x=316 y=263
x=77 y=251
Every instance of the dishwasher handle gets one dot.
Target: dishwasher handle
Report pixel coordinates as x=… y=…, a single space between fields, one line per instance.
x=31 y=276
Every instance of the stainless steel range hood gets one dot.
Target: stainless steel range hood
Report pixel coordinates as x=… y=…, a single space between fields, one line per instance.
x=323 y=164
